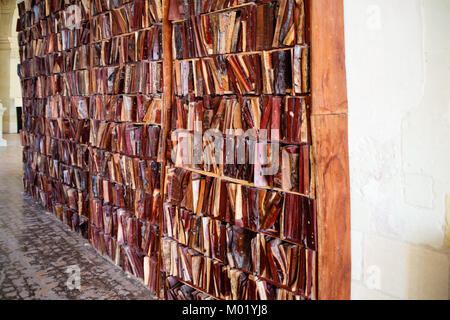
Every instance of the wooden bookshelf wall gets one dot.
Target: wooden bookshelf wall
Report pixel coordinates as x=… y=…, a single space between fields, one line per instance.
x=151 y=68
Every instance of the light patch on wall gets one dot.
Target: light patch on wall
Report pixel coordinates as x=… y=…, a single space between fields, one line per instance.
x=418 y=190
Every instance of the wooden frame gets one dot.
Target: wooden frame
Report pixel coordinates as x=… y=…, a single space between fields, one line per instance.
x=329 y=116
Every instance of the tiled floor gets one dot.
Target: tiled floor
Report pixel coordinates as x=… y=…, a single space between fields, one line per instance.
x=37 y=251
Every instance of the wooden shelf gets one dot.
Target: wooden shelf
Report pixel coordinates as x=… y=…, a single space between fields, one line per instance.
x=243 y=182
x=196 y=288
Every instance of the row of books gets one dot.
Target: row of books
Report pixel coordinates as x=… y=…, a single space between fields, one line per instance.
x=240 y=74
x=262 y=163
x=77 y=200
x=33 y=142
x=71 y=176
x=270 y=72
x=143 y=267
x=75 y=83
x=34 y=107
x=32 y=12
x=32 y=44
x=141 y=234
x=125 y=108
x=215 y=33
x=139 y=108
x=131 y=17
x=205 y=235
x=126 y=138
x=141 y=204
x=57 y=106
x=35 y=163
x=33 y=125
x=181 y=9
x=117 y=108
x=35 y=184
x=142 y=77
x=176 y=290
x=137 y=46
x=109 y=168
x=68 y=129
x=132 y=172
x=64 y=151
x=274 y=118
x=54 y=191
x=238 y=247
x=288 y=216
x=283 y=119
x=244 y=29
x=72 y=198
x=152 y=10
x=78 y=223
x=228 y=283
x=58 y=62
x=47 y=7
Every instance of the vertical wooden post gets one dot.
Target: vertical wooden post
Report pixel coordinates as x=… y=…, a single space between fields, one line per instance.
x=166 y=115
x=167 y=65
x=91 y=92
x=330 y=139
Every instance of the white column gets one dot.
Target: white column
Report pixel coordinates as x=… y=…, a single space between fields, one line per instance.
x=2 y=141
x=9 y=86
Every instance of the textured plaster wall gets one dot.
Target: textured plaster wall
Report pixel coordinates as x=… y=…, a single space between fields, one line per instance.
x=398 y=69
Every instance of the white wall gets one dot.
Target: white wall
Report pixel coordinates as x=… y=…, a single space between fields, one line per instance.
x=398 y=69
x=10 y=90
x=14 y=80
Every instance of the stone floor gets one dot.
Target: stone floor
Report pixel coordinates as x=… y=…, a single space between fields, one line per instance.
x=39 y=255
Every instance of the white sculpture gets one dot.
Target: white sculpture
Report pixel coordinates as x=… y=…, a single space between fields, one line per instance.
x=2 y=141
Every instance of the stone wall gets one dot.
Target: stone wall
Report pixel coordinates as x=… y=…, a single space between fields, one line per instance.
x=398 y=62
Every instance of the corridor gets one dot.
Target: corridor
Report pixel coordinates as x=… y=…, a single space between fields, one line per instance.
x=40 y=256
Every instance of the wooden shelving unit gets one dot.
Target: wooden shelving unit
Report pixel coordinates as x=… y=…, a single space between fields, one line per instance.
x=323 y=86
